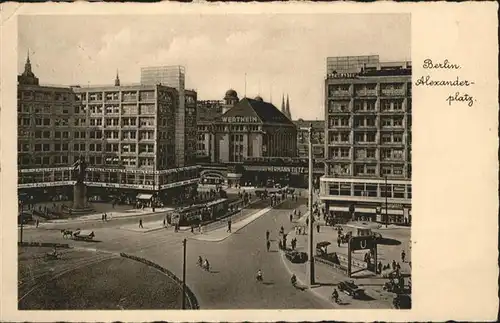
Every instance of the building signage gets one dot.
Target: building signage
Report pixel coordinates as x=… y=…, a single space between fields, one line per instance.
x=177 y=184
x=47 y=184
x=281 y=169
x=39 y=170
x=117 y=185
x=239 y=119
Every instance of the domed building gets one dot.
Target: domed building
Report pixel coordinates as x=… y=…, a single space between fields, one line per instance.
x=230 y=100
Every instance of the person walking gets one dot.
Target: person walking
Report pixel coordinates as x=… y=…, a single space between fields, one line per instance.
x=403 y=256
x=268 y=245
x=37 y=222
x=164 y=222
x=140 y=224
x=291 y=217
x=102 y=217
x=267 y=235
x=229 y=226
x=317 y=227
x=105 y=217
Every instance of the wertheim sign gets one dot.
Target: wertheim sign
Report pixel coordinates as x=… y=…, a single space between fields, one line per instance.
x=237 y=119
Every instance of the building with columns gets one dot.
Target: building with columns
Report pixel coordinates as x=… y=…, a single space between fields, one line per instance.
x=368 y=121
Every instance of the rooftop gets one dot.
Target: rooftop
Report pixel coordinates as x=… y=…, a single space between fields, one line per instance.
x=316 y=124
x=265 y=111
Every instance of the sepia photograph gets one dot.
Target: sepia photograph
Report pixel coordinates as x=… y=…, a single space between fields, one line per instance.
x=214 y=162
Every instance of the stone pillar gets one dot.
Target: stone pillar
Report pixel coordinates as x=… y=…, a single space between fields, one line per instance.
x=79 y=196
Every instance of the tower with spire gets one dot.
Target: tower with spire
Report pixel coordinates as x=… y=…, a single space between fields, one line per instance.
x=27 y=77
x=283 y=108
x=287 y=109
x=117 y=79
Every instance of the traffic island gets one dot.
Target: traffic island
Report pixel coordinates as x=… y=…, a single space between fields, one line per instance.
x=81 y=280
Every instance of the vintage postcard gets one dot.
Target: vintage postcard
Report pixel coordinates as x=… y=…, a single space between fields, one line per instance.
x=291 y=161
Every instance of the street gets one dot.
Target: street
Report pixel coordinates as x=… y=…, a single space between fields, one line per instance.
x=234 y=261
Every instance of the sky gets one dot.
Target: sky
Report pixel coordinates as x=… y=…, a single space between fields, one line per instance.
x=280 y=54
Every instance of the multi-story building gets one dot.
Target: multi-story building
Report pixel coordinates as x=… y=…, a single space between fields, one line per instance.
x=234 y=131
x=208 y=111
x=185 y=119
x=126 y=133
x=368 y=139
x=318 y=138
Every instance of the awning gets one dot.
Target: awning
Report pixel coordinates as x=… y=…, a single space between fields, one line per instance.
x=144 y=196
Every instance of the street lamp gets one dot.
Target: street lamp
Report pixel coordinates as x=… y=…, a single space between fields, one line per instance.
x=310 y=229
x=184 y=275
x=386 y=208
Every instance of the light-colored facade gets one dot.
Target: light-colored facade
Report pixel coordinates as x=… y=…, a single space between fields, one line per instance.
x=368 y=139
x=175 y=76
x=318 y=138
x=125 y=133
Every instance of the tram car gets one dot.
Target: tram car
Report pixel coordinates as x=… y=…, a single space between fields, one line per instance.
x=196 y=214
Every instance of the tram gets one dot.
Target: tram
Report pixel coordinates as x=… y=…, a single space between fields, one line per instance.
x=198 y=213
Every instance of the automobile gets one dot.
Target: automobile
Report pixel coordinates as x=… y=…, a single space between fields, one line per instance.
x=296 y=256
x=350 y=288
x=402 y=301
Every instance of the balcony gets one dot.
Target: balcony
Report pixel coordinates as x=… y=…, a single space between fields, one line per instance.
x=392 y=92
x=366 y=92
x=339 y=93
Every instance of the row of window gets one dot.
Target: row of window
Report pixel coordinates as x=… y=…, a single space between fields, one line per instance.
x=369 y=89
x=371 y=190
x=367 y=153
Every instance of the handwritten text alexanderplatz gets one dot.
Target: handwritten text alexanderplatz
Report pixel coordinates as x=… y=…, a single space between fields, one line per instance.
x=454 y=82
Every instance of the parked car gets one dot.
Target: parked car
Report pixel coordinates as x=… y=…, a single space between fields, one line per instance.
x=350 y=288
x=402 y=301
x=296 y=256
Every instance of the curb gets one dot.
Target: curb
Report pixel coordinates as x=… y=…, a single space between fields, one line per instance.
x=193 y=301
x=43 y=244
x=99 y=220
x=224 y=238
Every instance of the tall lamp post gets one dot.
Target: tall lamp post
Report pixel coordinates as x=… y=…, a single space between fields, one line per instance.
x=386 y=207
x=184 y=275
x=310 y=229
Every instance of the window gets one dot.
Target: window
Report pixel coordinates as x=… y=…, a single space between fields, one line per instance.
x=96 y=109
x=38 y=134
x=370 y=153
x=398 y=138
x=129 y=121
x=398 y=122
x=95 y=122
x=46 y=147
x=386 y=138
x=371 y=169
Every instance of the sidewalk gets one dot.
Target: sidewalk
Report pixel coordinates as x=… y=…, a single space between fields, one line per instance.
x=327 y=278
x=221 y=233
x=111 y=215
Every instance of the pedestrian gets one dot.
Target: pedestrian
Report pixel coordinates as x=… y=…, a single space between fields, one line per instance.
x=338 y=241
x=140 y=224
x=280 y=245
x=379 y=267
x=267 y=235
x=229 y=226
x=200 y=229
x=394 y=265
x=192 y=228
x=37 y=222
x=291 y=217
x=164 y=222
x=106 y=217
x=307 y=221
x=317 y=227
x=403 y=255
x=268 y=245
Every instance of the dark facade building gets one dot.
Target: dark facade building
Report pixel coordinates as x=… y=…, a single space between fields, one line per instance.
x=126 y=133
x=368 y=139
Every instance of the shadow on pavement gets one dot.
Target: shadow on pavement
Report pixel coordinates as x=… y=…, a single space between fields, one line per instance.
x=214 y=271
x=365 y=297
x=388 y=242
x=268 y=283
